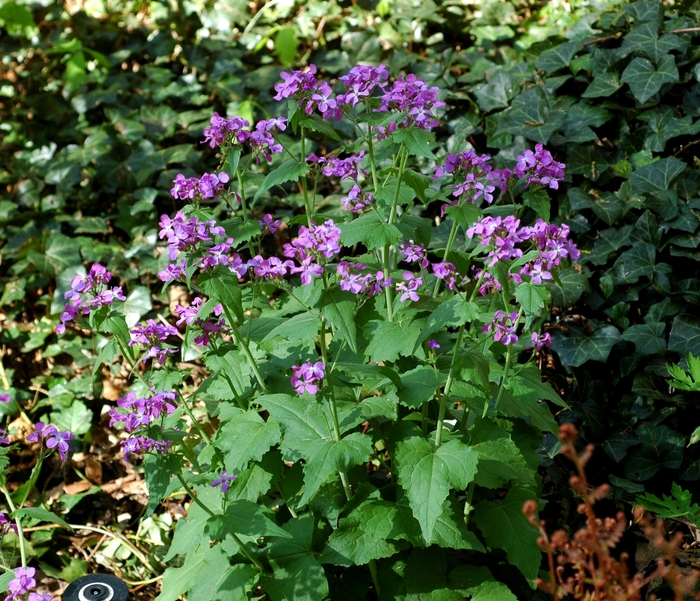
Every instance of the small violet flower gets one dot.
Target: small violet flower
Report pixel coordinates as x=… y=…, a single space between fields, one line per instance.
x=52 y=438
x=224 y=480
x=305 y=376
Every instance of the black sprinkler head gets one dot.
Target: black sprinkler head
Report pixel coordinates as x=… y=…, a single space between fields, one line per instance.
x=96 y=587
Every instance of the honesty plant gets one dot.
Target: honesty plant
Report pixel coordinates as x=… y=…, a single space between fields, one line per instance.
x=370 y=360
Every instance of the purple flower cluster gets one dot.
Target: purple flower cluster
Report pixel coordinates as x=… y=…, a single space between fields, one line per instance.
x=488 y=282
x=52 y=438
x=310 y=93
x=305 y=376
x=207 y=186
x=357 y=200
x=539 y=342
x=311 y=248
x=360 y=82
x=409 y=286
x=7 y=525
x=503 y=327
x=209 y=327
x=332 y=166
x=505 y=234
x=140 y=412
x=21 y=586
x=357 y=283
x=150 y=336
x=224 y=131
x=263 y=139
x=88 y=293
x=224 y=480
x=446 y=271
x=414 y=253
x=270 y=269
x=412 y=95
x=143 y=444
x=540 y=168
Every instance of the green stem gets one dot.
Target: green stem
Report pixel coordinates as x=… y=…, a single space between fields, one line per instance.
x=239 y=542
x=375 y=578
x=468 y=504
x=332 y=404
x=304 y=186
x=289 y=507
x=448 y=387
x=197 y=425
x=246 y=350
x=20 y=532
x=506 y=370
x=448 y=248
x=241 y=192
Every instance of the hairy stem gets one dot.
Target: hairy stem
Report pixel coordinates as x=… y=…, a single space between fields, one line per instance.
x=18 y=522
x=245 y=348
x=448 y=386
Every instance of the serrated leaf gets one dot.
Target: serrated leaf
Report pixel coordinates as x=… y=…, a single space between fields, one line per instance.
x=158 y=469
x=479 y=583
x=178 y=581
x=370 y=531
x=505 y=527
x=645 y=80
x=189 y=531
x=304 y=326
x=327 y=457
x=220 y=284
x=425 y=478
x=370 y=230
x=500 y=461
x=647 y=338
x=451 y=313
x=243 y=437
x=532 y=297
x=246 y=518
x=679 y=504
x=578 y=347
x=339 y=308
x=223 y=581
x=388 y=192
x=287 y=171
x=657 y=176
x=38 y=513
x=419 y=385
x=416 y=140
x=231 y=373
x=461 y=461
x=388 y=340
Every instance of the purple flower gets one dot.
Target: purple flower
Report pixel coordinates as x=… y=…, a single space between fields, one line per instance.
x=5 y=398
x=332 y=166
x=379 y=282
x=150 y=336
x=23 y=582
x=6 y=525
x=540 y=168
x=52 y=438
x=413 y=96
x=269 y=223
x=142 y=444
x=224 y=480
x=41 y=431
x=262 y=138
x=204 y=187
x=320 y=241
x=433 y=344
x=539 y=342
x=304 y=376
x=355 y=283
x=174 y=271
x=409 y=286
x=226 y=131
x=361 y=82
x=270 y=269
x=39 y=597
x=308 y=269
x=356 y=200
x=445 y=271
x=414 y=253
x=296 y=83
x=503 y=327
x=141 y=411
x=4 y=436
x=488 y=282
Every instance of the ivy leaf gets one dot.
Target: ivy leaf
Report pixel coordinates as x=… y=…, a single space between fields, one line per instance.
x=416 y=140
x=370 y=230
x=571 y=285
x=246 y=518
x=505 y=527
x=685 y=335
x=61 y=252
x=558 y=57
x=298 y=576
x=644 y=38
x=656 y=177
x=388 y=340
x=425 y=478
x=663 y=126
x=580 y=117
x=287 y=171
x=303 y=423
x=639 y=261
x=77 y=418
x=496 y=93
x=531 y=116
x=370 y=531
x=451 y=313
x=244 y=437
x=340 y=308
x=221 y=581
x=648 y=338
x=327 y=457
x=660 y=447
x=578 y=347
x=645 y=81
x=603 y=85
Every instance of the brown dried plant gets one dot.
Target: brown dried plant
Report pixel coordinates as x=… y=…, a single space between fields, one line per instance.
x=583 y=567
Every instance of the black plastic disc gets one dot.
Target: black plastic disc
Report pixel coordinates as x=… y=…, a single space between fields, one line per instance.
x=96 y=587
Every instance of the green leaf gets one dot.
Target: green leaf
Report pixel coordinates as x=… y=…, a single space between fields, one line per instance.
x=500 y=461
x=451 y=528
x=231 y=373
x=531 y=116
x=189 y=531
x=451 y=313
x=644 y=38
x=298 y=576
x=287 y=171
x=635 y=263
x=578 y=347
x=316 y=123
x=303 y=422
x=37 y=513
x=220 y=284
x=327 y=457
x=496 y=93
x=663 y=126
x=419 y=385
x=461 y=461
x=529 y=379
x=370 y=230
x=657 y=176
x=425 y=477
x=388 y=340
x=416 y=140
x=532 y=297
x=685 y=335
x=243 y=437
x=221 y=581
x=648 y=338
x=339 y=308
x=568 y=290
x=558 y=57
x=680 y=504
x=77 y=418
x=178 y=581
x=286 y=44
x=579 y=118
x=246 y=518
x=645 y=81
x=369 y=532
x=61 y=252
x=660 y=447
x=687 y=381
x=505 y=527
x=538 y=200
x=479 y=583
x=387 y=193
x=602 y=86
x=158 y=469
x=136 y=305
x=304 y=326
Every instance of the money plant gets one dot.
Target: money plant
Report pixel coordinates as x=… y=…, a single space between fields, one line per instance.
x=346 y=390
